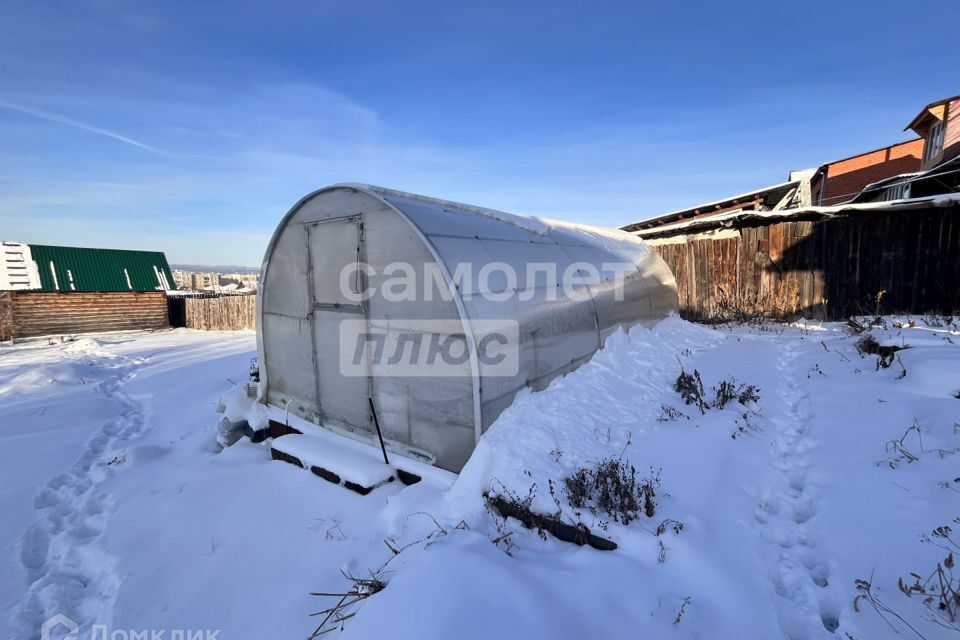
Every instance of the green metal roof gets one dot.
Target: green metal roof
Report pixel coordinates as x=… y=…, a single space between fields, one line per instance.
x=81 y=269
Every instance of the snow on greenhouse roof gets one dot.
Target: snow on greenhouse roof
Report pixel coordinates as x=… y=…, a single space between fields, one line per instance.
x=539 y=225
x=534 y=224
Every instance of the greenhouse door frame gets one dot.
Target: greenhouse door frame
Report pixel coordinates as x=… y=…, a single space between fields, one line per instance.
x=323 y=257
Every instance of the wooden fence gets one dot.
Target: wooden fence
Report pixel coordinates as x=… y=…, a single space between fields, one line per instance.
x=38 y=313
x=6 y=317
x=219 y=313
x=876 y=262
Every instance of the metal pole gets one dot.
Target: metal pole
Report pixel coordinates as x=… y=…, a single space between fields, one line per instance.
x=376 y=423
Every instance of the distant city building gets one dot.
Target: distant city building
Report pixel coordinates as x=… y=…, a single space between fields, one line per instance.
x=215 y=281
x=182 y=279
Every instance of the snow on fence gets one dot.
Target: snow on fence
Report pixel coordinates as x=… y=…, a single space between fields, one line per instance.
x=215 y=313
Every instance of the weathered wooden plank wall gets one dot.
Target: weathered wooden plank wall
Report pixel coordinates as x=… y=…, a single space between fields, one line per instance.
x=36 y=313
x=896 y=262
x=6 y=318
x=226 y=313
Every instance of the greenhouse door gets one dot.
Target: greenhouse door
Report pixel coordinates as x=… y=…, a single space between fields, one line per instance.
x=333 y=246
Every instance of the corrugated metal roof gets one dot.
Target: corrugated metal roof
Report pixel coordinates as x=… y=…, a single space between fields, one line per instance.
x=82 y=269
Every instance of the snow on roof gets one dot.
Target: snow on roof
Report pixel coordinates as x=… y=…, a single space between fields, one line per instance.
x=534 y=224
x=17 y=269
x=539 y=225
x=782 y=186
x=361 y=467
x=728 y=219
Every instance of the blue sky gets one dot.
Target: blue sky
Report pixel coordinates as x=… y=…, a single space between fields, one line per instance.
x=192 y=127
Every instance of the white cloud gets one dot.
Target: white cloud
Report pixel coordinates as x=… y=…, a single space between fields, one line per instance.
x=70 y=122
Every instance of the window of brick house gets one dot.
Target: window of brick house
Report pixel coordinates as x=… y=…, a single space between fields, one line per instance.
x=934 y=143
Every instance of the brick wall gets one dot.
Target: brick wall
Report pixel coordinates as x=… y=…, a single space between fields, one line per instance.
x=845 y=178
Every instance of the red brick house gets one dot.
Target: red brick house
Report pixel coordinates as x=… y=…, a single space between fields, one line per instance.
x=872 y=233
x=925 y=166
x=830 y=184
x=938 y=125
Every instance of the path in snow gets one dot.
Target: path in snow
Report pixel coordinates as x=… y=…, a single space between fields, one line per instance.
x=778 y=523
x=67 y=566
x=806 y=607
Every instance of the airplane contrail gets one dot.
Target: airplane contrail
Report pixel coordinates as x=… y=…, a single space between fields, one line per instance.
x=70 y=122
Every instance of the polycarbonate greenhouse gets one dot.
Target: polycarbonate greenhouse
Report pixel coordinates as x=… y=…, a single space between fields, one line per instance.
x=436 y=313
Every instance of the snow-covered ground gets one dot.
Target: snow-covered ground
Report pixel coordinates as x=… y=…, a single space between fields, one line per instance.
x=119 y=510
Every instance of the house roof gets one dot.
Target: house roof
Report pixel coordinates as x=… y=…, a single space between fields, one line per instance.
x=86 y=269
x=737 y=219
x=772 y=193
x=926 y=111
